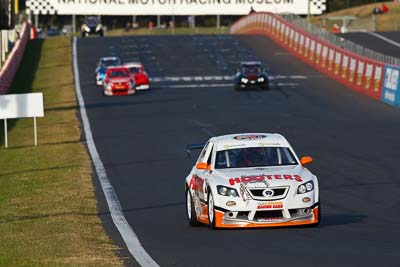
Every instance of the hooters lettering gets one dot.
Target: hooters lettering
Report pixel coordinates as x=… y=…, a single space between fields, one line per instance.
x=263 y=177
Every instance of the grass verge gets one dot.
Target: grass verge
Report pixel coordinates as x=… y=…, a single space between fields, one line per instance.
x=48 y=212
x=384 y=22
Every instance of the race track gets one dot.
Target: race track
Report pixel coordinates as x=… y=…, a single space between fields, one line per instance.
x=142 y=142
x=387 y=43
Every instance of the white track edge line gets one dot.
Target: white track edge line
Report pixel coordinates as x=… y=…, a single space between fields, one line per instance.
x=128 y=235
x=384 y=38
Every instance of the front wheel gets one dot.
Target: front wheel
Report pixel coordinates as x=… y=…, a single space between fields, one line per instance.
x=211 y=210
x=190 y=210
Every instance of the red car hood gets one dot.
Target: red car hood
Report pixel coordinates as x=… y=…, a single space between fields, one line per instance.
x=252 y=76
x=120 y=80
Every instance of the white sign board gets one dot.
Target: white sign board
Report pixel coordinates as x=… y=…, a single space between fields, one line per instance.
x=172 y=7
x=21 y=106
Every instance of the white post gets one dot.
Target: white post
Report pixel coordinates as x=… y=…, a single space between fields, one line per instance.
x=37 y=21
x=35 y=130
x=1 y=50
x=73 y=25
x=4 y=45
x=5 y=134
x=218 y=21
x=158 y=21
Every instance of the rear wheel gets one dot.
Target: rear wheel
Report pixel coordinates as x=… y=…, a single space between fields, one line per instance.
x=190 y=210
x=211 y=210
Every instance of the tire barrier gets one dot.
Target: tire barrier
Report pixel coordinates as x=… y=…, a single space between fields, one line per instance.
x=359 y=73
x=10 y=67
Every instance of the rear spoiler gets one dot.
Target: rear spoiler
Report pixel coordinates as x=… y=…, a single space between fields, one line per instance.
x=193 y=147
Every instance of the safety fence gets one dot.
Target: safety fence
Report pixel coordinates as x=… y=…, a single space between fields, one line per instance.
x=340 y=41
x=10 y=68
x=362 y=74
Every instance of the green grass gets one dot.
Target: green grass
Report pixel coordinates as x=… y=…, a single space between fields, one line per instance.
x=180 y=30
x=384 y=22
x=48 y=212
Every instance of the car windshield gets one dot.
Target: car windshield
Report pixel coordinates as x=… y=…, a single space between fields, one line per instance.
x=254 y=157
x=118 y=74
x=109 y=63
x=91 y=21
x=251 y=69
x=135 y=69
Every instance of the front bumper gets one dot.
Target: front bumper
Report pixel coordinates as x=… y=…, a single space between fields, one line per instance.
x=119 y=92
x=266 y=218
x=253 y=84
x=142 y=86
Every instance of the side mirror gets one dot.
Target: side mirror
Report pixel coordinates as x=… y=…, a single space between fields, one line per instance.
x=202 y=166
x=306 y=160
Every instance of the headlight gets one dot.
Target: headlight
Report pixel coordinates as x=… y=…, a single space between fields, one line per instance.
x=227 y=191
x=98 y=27
x=305 y=188
x=244 y=80
x=261 y=79
x=86 y=28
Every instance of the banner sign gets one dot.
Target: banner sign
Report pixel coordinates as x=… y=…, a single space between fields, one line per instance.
x=21 y=106
x=391 y=86
x=173 y=7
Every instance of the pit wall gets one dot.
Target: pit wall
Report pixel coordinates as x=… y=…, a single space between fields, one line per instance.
x=361 y=74
x=10 y=67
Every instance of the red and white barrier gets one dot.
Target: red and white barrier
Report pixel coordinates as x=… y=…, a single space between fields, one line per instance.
x=356 y=72
x=10 y=68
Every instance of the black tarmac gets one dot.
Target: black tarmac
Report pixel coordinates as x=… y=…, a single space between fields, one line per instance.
x=377 y=44
x=142 y=140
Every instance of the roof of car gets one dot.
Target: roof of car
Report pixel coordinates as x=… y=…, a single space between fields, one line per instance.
x=133 y=64
x=108 y=58
x=250 y=140
x=251 y=63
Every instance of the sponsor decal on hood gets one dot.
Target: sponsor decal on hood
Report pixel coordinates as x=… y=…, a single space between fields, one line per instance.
x=264 y=178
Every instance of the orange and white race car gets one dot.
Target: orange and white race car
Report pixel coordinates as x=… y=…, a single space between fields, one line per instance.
x=251 y=180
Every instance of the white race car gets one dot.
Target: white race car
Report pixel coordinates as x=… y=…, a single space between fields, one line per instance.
x=251 y=180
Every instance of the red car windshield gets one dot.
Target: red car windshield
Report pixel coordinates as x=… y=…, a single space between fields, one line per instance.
x=135 y=70
x=118 y=74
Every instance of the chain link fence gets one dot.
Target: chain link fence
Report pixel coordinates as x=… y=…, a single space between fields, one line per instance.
x=340 y=41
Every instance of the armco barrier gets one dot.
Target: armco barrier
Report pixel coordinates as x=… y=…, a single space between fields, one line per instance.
x=359 y=73
x=10 y=68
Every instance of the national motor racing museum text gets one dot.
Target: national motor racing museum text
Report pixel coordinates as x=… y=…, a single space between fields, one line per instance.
x=166 y=2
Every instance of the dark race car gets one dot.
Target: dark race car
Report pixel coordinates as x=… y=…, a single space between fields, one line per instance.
x=91 y=25
x=251 y=75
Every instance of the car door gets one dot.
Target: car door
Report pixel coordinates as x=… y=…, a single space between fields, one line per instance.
x=203 y=175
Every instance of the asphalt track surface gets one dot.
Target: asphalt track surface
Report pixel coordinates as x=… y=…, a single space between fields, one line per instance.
x=377 y=44
x=142 y=142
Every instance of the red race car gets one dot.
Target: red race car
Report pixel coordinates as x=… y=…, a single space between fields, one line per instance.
x=118 y=81
x=139 y=74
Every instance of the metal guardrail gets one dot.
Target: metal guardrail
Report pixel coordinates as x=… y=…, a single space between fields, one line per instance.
x=340 y=41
